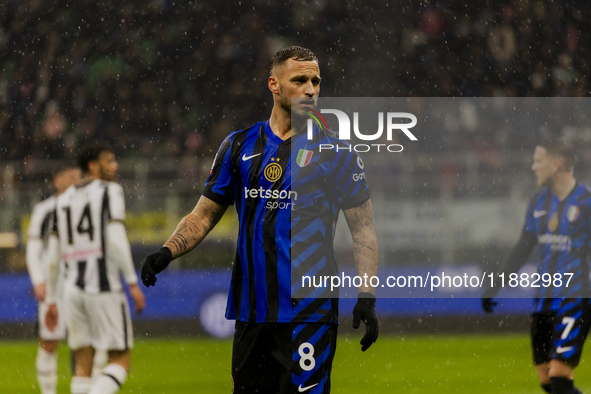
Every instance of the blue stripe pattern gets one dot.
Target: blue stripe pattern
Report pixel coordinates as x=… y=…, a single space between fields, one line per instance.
x=285 y=229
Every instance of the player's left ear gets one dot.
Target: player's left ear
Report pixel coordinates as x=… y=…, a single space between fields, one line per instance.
x=273 y=84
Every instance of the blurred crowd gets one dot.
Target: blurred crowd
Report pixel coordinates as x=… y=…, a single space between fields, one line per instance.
x=171 y=79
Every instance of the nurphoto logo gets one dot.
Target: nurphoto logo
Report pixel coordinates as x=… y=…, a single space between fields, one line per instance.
x=395 y=122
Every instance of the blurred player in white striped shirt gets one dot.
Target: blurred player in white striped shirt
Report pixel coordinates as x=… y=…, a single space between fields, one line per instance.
x=38 y=235
x=90 y=240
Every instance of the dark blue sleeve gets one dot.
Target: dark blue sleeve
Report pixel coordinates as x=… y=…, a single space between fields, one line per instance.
x=349 y=178
x=219 y=186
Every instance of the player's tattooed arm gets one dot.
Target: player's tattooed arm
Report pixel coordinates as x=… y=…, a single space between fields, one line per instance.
x=365 y=243
x=193 y=228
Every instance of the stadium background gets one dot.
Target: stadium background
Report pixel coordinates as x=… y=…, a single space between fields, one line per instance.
x=164 y=82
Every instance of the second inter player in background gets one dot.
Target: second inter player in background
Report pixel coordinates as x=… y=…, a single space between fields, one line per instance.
x=558 y=221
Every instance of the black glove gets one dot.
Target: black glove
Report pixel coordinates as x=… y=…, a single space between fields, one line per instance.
x=153 y=264
x=488 y=304
x=365 y=310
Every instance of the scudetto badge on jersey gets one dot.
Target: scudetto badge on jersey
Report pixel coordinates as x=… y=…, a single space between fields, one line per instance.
x=573 y=213
x=304 y=157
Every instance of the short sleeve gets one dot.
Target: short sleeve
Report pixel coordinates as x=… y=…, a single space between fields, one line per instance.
x=219 y=186
x=350 y=184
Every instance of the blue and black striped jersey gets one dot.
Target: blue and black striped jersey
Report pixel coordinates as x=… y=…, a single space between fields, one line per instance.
x=287 y=205
x=563 y=231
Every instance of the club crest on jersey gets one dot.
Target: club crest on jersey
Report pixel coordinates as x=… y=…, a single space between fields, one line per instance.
x=304 y=157
x=273 y=171
x=553 y=222
x=572 y=213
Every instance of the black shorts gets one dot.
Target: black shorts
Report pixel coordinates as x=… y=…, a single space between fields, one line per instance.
x=283 y=358
x=560 y=335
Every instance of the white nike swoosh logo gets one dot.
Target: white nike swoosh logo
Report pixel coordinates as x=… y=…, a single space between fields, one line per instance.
x=561 y=349
x=302 y=389
x=538 y=214
x=245 y=158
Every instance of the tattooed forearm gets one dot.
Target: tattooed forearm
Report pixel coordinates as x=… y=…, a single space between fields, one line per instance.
x=360 y=221
x=193 y=228
x=365 y=214
x=187 y=235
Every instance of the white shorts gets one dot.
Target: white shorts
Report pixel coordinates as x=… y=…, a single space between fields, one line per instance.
x=98 y=320
x=60 y=331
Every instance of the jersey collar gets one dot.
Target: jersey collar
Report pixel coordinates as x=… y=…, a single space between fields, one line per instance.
x=272 y=137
